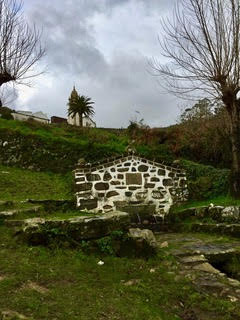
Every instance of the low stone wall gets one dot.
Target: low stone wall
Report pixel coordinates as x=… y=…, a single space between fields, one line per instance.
x=130 y=180
x=41 y=231
x=210 y=213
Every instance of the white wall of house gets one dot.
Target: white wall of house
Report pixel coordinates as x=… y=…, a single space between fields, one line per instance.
x=75 y=121
x=25 y=115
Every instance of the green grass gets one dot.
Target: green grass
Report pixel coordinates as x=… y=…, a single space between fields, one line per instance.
x=64 y=132
x=75 y=287
x=20 y=184
x=219 y=201
x=59 y=215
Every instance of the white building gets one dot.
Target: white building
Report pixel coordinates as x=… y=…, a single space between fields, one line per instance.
x=75 y=121
x=26 y=115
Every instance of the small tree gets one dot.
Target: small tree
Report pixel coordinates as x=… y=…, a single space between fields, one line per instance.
x=203 y=43
x=79 y=105
x=20 y=47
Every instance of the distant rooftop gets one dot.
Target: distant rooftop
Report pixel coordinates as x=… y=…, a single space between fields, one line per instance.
x=38 y=114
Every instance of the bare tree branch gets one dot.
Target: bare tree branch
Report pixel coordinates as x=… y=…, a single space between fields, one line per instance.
x=20 y=45
x=202 y=43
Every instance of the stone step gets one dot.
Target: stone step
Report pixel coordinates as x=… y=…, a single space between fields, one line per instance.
x=194 y=259
x=13 y=212
x=232 y=230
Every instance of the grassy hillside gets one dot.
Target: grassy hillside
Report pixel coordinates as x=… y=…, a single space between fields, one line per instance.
x=51 y=148
x=20 y=184
x=58 y=148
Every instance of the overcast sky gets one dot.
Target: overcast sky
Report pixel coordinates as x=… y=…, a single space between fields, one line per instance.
x=102 y=47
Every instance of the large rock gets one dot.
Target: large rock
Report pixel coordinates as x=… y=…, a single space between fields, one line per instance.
x=139 y=243
x=41 y=231
x=230 y=213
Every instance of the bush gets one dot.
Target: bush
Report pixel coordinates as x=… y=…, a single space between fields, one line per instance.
x=5 y=113
x=206 y=182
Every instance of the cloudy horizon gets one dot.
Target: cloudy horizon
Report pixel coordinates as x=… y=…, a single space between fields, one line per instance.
x=103 y=47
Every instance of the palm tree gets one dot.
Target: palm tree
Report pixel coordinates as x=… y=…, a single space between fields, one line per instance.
x=80 y=105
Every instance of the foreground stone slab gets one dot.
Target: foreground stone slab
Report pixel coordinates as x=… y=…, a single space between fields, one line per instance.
x=12 y=315
x=196 y=260
x=41 y=231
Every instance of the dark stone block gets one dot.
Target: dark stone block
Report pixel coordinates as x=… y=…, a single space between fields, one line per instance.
x=141 y=195
x=128 y=194
x=146 y=175
x=143 y=168
x=171 y=174
x=112 y=194
x=123 y=169
x=115 y=182
x=181 y=175
x=120 y=176
x=113 y=170
x=133 y=178
x=155 y=179
x=107 y=207
x=107 y=176
x=101 y=186
x=93 y=177
x=80 y=179
x=161 y=172
x=134 y=169
x=120 y=203
x=83 y=187
x=134 y=188
x=127 y=164
x=153 y=170
x=121 y=187
x=101 y=195
x=167 y=182
x=85 y=195
x=135 y=202
x=183 y=183
x=88 y=204
x=157 y=195
x=149 y=185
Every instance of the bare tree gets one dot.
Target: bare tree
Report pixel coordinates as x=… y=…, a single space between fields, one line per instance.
x=7 y=96
x=20 y=46
x=202 y=42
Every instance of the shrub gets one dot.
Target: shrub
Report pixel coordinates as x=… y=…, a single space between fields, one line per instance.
x=205 y=182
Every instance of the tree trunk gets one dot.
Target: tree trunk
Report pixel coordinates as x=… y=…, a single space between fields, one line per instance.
x=235 y=140
x=6 y=77
x=81 y=119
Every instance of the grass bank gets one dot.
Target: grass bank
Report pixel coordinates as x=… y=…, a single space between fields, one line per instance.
x=21 y=184
x=62 y=284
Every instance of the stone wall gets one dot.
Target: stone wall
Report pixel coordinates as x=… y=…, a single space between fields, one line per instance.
x=130 y=180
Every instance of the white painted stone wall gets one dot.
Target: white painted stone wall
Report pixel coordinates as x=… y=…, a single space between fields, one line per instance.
x=129 y=181
x=26 y=116
x=75 y=121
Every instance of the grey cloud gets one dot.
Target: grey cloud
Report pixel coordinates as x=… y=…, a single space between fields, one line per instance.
x=119 y=85
x=69 y=40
